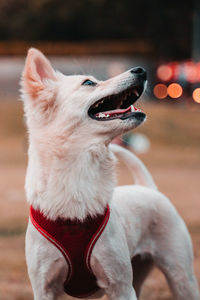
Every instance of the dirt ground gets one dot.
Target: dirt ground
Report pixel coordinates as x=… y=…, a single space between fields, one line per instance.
x=173 y=159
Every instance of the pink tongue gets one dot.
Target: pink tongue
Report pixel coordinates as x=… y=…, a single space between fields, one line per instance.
x=110 y=113
x=114 y=112
x=117 y=111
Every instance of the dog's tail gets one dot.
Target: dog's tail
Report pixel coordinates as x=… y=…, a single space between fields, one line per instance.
x=140 y=173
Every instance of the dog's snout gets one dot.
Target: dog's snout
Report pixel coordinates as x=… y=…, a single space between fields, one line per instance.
x=139 y=71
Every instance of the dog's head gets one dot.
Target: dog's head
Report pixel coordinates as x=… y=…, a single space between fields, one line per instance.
x=79 y=107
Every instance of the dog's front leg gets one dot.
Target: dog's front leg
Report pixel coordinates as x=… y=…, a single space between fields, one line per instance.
x=47 y=267
x=111 y=264
x=117 y=284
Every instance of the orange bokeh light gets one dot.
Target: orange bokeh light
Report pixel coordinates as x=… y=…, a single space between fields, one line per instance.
x=160 y=91
x=196 y=95
x=164 y=73
x=174 y=90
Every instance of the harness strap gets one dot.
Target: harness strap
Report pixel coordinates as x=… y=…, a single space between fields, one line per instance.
x=75 y=240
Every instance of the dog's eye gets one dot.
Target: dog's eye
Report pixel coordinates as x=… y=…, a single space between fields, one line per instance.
x=89 y=82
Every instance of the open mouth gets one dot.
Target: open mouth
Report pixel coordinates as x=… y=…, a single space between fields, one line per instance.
x=117 y=106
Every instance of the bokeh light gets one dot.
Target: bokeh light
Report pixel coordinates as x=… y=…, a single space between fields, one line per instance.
x=160 y=91
x=190 y=69
x=196 y=95
x=174 y=90
x=164 y=73
x=198 y=72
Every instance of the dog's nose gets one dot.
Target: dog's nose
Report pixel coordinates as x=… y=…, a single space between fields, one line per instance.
x=139 y=71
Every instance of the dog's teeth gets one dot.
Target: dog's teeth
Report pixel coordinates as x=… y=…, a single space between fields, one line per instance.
x=121 y=102
x=101 y=115
x=99 y=103
x=136 y=93
x=133 y=109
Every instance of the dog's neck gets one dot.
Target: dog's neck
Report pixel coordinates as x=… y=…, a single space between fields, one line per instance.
x=72 y=187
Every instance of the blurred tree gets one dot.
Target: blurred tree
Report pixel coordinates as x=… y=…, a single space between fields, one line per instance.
x=167 y=25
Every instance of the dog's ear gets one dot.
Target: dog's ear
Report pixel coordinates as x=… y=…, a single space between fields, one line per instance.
x=38 y=76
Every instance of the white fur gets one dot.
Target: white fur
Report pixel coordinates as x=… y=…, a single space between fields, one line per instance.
x=71 y=174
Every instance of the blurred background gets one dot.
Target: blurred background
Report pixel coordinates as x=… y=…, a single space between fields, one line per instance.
x=105 y=38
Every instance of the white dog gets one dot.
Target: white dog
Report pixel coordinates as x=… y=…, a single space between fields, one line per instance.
x=70 y=179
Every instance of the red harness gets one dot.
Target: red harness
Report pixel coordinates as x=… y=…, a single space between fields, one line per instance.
x=75 y=239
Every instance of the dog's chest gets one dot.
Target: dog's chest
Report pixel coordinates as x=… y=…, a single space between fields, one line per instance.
x=75 y=240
